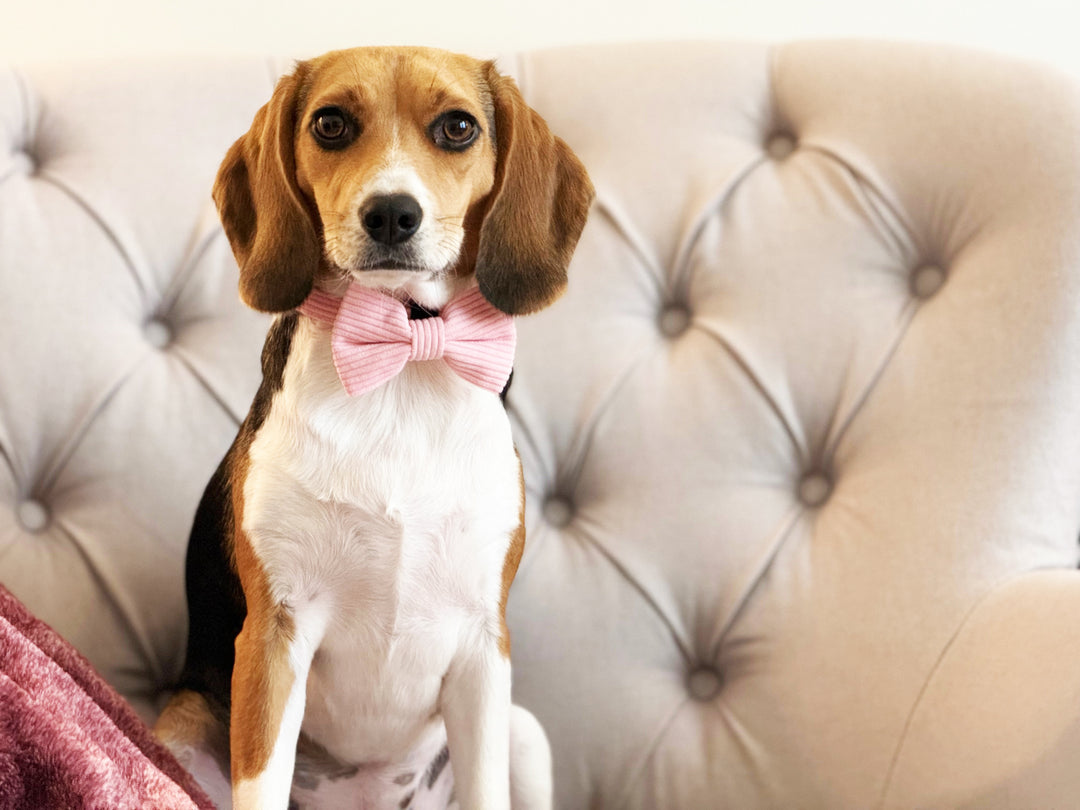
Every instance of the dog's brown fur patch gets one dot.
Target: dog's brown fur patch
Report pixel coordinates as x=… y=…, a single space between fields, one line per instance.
x=262 y=674
x=510 y=565
x=189 y=722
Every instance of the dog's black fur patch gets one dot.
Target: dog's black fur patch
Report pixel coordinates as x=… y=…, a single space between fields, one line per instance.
x=216 y=607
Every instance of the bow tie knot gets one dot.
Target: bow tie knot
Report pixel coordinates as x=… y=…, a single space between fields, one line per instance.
x=428 y=339
x=372 y=337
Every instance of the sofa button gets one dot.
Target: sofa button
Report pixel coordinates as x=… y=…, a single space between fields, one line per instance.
x=704 y=684
x=157 y=333
x=674 y=320
x=558 y=511
x=814 y=489
x=780 y=145
x=927 y=280
x=32 y=515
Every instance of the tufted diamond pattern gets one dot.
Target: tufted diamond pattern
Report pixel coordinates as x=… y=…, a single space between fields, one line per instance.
x=127 y=360
x=802 y=441
x=818 y=418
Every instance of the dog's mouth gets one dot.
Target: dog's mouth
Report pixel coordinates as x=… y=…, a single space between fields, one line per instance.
x=400 y=269
x=393 y=264
x=426 y=255
x=400 y=259
x=396 y=270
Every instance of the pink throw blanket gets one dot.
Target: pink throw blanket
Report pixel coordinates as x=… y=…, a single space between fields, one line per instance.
x=68 y=741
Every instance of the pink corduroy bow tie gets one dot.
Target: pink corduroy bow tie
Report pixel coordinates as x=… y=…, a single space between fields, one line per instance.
x=372 y=337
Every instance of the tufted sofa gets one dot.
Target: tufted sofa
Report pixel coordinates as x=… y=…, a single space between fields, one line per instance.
x=802 y=442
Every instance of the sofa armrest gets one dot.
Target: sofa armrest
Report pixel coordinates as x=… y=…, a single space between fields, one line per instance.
x=1018 y=655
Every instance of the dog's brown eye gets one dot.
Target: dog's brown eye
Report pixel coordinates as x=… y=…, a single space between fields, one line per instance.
x=454 y=130
x=331 y=128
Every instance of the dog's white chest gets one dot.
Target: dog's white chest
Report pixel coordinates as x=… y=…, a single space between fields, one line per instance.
x=392 y=513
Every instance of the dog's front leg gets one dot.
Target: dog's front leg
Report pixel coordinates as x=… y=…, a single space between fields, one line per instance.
x=476 y=710
x=273 y=657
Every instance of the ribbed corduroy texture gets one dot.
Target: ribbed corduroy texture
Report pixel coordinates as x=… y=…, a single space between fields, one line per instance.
x=373 y=338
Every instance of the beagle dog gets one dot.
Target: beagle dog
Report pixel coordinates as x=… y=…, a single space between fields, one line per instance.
x=349 y=563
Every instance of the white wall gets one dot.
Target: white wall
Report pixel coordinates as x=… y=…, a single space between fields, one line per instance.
x=40 y=29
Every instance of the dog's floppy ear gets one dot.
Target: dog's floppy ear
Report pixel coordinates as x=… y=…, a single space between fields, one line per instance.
x=536 y=210
x=263 y=211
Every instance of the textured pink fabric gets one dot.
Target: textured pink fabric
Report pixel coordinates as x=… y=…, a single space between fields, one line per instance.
x=67 y=740
x=373 y=338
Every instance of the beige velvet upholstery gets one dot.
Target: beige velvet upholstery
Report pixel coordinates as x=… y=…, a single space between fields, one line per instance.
x=802 y=442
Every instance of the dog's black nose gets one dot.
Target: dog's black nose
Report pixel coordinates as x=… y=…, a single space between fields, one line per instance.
x=391 y=218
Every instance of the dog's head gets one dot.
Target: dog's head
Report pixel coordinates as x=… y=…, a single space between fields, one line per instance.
x=388 y=165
